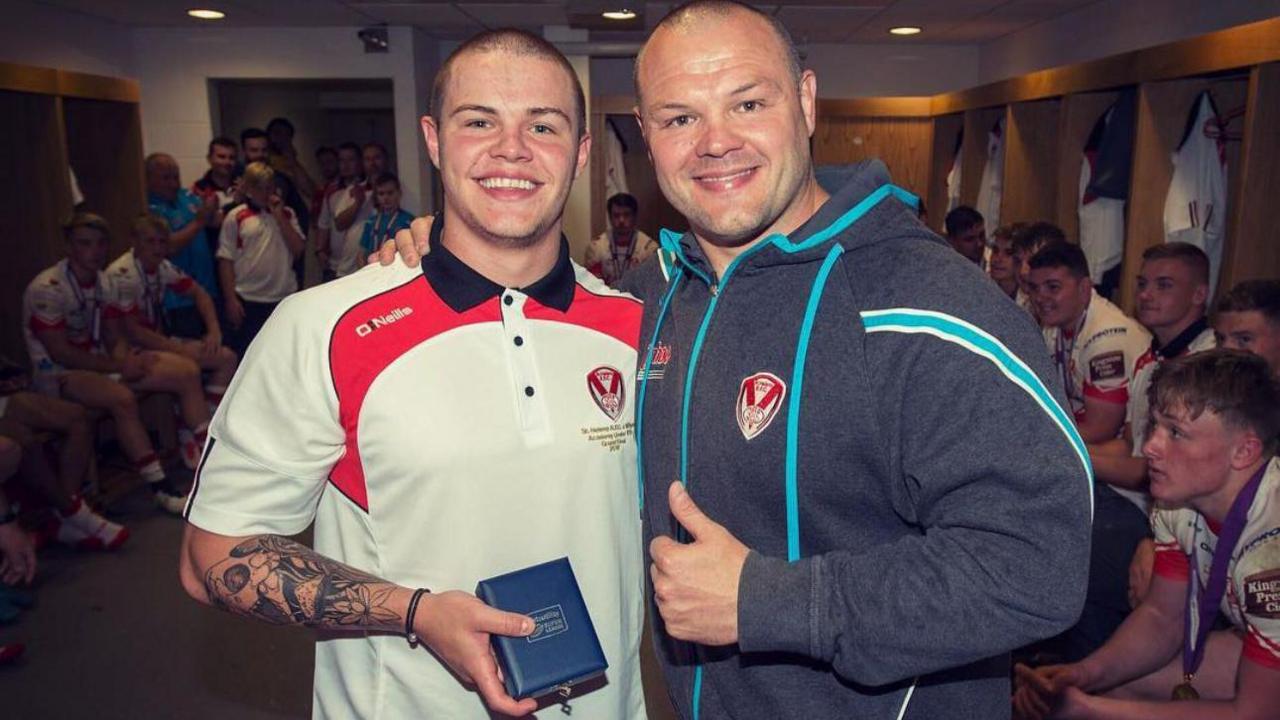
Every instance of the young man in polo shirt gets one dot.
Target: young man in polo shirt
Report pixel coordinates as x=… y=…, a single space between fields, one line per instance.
x=1216 y=479
x=343 y=214
x=259 y=242
x=441 y=426
x=1173 y=288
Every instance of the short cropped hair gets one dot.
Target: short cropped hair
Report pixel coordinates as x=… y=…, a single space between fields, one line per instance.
x=1185 y=253
x=625 y=200
x=149 y=222
x=1260 y=295
x=349 y=146
x=280 y=122
x=259 y=175
x=86 y=220
x=1035 y=236
x=222 y=141
x=1061 y=254
x=517 y=42
x=387 y=178
x=691 y=12
x=325 y=150
x=1235 y=385
x=381 y=148
x=252 y=134
x=961 y=220
x=1010 y=231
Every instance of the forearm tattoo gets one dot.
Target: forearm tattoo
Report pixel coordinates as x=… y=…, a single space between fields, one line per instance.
x=275 y=579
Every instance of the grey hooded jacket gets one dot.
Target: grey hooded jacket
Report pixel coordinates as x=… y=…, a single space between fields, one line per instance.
x=871 y=415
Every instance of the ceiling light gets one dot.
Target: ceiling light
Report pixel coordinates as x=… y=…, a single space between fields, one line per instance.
x=206 y=14
x=905 y=30
x=623 y=14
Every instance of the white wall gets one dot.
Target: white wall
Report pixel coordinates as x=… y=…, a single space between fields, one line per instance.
x=174 y=66
x=39 y=35
x=1110 y=27
x=847 y=71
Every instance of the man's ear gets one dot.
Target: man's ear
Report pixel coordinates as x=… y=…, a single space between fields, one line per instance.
x=1246 y=450
x=584 y=153
x=809 y=99
x=431 y=133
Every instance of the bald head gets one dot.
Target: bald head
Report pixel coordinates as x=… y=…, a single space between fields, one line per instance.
x=702 y=15
x=162 y=176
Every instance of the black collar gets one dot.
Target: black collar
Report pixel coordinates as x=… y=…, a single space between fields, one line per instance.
x=1178 y=345
x=462 y=288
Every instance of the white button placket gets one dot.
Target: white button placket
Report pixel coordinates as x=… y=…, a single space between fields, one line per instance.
x=526 y=383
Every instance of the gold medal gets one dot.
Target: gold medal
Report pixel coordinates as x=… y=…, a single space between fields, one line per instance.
x=1184 y=691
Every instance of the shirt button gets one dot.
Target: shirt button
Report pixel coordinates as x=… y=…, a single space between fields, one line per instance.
x=528 y=390
x=518 y=341
x=507 y=300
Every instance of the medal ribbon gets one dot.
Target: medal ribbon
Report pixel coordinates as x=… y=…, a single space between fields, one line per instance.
x=1210 y=596
x=93 y=304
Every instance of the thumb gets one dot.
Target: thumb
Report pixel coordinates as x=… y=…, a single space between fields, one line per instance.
x=687 y=512
x=499 y=622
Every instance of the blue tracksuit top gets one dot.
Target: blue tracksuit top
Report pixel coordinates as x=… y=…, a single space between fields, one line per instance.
x=871 y=415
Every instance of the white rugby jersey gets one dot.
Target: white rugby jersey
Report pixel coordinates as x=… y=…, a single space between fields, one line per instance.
x=56 y=300
x=1252 y=600
x=1199 y=337
x=440 y=429
x=991 y=191
x=345 y=254
x=134 y=291
x=1098 y=360
x=1195 y=209
x=1101 y=226
x=251 y=238
x=954 y=177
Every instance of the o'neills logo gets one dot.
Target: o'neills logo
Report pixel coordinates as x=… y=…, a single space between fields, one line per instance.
x=1262 y=594
x=607 y=389
x=382 y=321
x=759 y=398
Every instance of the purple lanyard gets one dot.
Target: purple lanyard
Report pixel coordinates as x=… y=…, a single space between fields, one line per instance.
x=1210 y=596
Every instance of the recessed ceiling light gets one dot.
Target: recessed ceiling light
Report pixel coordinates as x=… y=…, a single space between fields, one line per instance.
x=905 y=30
x=206 y=14
x=623 y=14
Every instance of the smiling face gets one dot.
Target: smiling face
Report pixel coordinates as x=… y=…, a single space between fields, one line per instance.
x=507 y=145
x=1060 y=297
x=727 y=126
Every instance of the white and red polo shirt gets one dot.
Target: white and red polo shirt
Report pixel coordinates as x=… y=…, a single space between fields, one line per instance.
x=134 y=291
x=440 y=429
x=1099 y=357
x=56 y=300
x=252 y=239
x=345 y=253
x=1252 y=601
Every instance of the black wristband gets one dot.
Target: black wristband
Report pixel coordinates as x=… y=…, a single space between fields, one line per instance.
x=410 y=613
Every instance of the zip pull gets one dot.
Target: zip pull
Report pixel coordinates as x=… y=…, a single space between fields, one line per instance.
x=564 y=691
x=715 y=289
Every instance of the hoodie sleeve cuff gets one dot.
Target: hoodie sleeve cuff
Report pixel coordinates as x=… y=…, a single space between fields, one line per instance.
x=775 y=605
